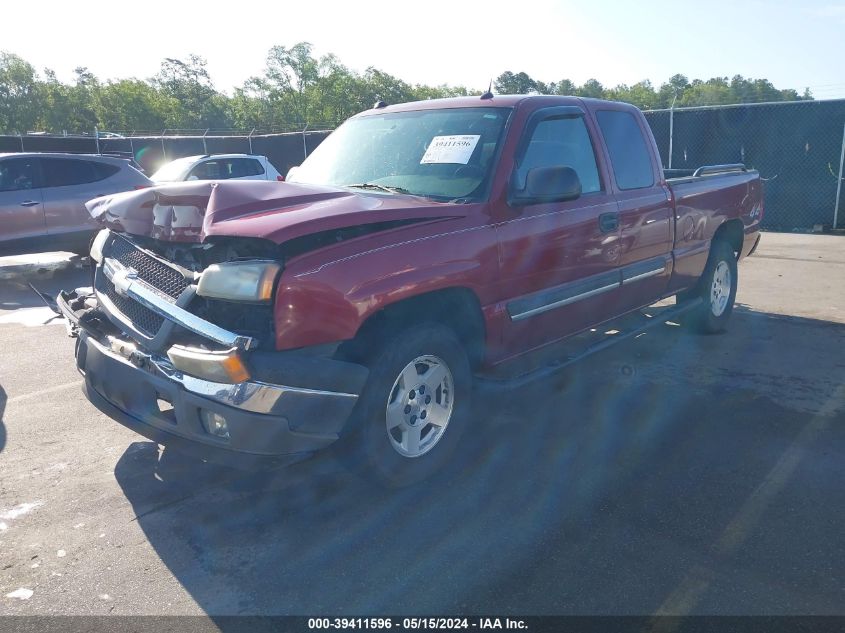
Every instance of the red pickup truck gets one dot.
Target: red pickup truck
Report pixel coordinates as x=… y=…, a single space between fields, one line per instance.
x=419 y=245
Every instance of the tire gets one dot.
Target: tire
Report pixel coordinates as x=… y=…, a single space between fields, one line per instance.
x=414 y=408
x=717 y=290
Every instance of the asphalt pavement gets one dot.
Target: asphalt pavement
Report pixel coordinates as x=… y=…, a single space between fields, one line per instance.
x=672 y=473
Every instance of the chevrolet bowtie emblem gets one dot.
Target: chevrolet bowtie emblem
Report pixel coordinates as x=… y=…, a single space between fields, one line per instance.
x=122 y=280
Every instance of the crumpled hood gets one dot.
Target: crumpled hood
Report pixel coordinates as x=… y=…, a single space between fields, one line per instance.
x=277 y=211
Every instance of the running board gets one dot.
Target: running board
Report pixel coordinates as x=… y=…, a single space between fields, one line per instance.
x=652 y=321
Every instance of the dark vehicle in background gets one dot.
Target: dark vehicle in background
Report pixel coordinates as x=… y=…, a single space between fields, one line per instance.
x=418 y=245
x=43 y=196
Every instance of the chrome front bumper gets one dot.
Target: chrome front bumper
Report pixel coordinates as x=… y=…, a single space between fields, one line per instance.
x=254 y=396
x=266 y=421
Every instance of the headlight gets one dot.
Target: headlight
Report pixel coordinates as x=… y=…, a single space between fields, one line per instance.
x=239 y=281
x=97 y=245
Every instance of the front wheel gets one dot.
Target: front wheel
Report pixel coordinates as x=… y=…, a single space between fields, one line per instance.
x=717 y=289
x=414 y=407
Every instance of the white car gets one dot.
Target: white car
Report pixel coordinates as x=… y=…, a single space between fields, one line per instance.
x=217 y=167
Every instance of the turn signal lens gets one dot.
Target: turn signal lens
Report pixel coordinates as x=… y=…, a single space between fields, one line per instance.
x=222 y=367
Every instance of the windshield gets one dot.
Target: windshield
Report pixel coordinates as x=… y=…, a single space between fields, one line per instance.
x=172 y=171
x=445 y=154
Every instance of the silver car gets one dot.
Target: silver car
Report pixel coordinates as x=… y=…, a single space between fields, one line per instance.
x=43 y=196
x=217 y=167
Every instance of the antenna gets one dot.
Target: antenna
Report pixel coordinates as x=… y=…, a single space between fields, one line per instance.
x=489 y=93
x=379 y=103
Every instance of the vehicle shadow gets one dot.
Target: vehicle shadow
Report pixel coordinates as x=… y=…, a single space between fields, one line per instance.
x=15 y=291
x=590 y=490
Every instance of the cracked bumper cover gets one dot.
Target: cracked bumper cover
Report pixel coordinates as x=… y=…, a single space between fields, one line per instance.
x=268 y=423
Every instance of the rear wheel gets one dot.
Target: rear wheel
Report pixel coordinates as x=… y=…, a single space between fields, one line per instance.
x=717 y=289
x=414 y=407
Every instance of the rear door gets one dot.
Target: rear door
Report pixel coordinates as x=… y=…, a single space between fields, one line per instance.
x=645 y=207
x=21 y=199
x=559 y=260
x=69 y=184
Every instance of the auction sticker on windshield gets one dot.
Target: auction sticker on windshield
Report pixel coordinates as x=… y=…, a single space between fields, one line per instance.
x=450 y=149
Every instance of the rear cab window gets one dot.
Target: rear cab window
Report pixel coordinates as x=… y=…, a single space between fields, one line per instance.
x=629 y=153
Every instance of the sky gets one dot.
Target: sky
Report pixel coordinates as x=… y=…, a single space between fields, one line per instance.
x=793 y=44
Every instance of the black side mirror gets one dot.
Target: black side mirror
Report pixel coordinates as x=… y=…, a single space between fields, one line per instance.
x=548 y=184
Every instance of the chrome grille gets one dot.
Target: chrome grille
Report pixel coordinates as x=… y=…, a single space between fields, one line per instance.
x=142 y=318
x=166 y=280
x=155 y=273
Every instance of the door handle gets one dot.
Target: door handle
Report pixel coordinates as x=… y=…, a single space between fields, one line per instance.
x=29 y=203
x=608 y=222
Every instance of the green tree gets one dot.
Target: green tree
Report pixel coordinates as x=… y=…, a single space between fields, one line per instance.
x=591 y=89
x=132 y=104
x=188 y=83
x=296 y=89
x=641 y=94
x=509 y=83
x=251 y=106
x=565 y=87
x=715 y=91
x=19 y=94
x=290 y=73
x=672 y=91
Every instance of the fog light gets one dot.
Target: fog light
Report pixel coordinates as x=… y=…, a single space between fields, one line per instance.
x=214 y=424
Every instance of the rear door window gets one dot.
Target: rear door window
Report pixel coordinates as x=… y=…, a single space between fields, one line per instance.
x=19 y=174
x=241 y=167
x=64 y=172
x=209 y=170
x=225 y=168
x=561 y=141
x=629 y=155
x=104 y=170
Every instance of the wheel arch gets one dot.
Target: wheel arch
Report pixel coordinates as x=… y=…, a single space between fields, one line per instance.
x=457 y=307
x=732 y=232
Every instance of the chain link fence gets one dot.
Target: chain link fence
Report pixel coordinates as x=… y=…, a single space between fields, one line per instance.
x=151 y=150
x=798 y=148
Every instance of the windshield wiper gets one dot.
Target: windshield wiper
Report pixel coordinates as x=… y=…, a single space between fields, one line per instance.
x=372 y=185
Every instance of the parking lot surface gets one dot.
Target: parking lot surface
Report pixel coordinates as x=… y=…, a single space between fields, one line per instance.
x=672 y=473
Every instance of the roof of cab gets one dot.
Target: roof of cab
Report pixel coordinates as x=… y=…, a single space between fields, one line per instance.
x=497 y=101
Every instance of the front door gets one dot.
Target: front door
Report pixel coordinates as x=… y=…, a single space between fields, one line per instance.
x=558 y=260
x=21 y=199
